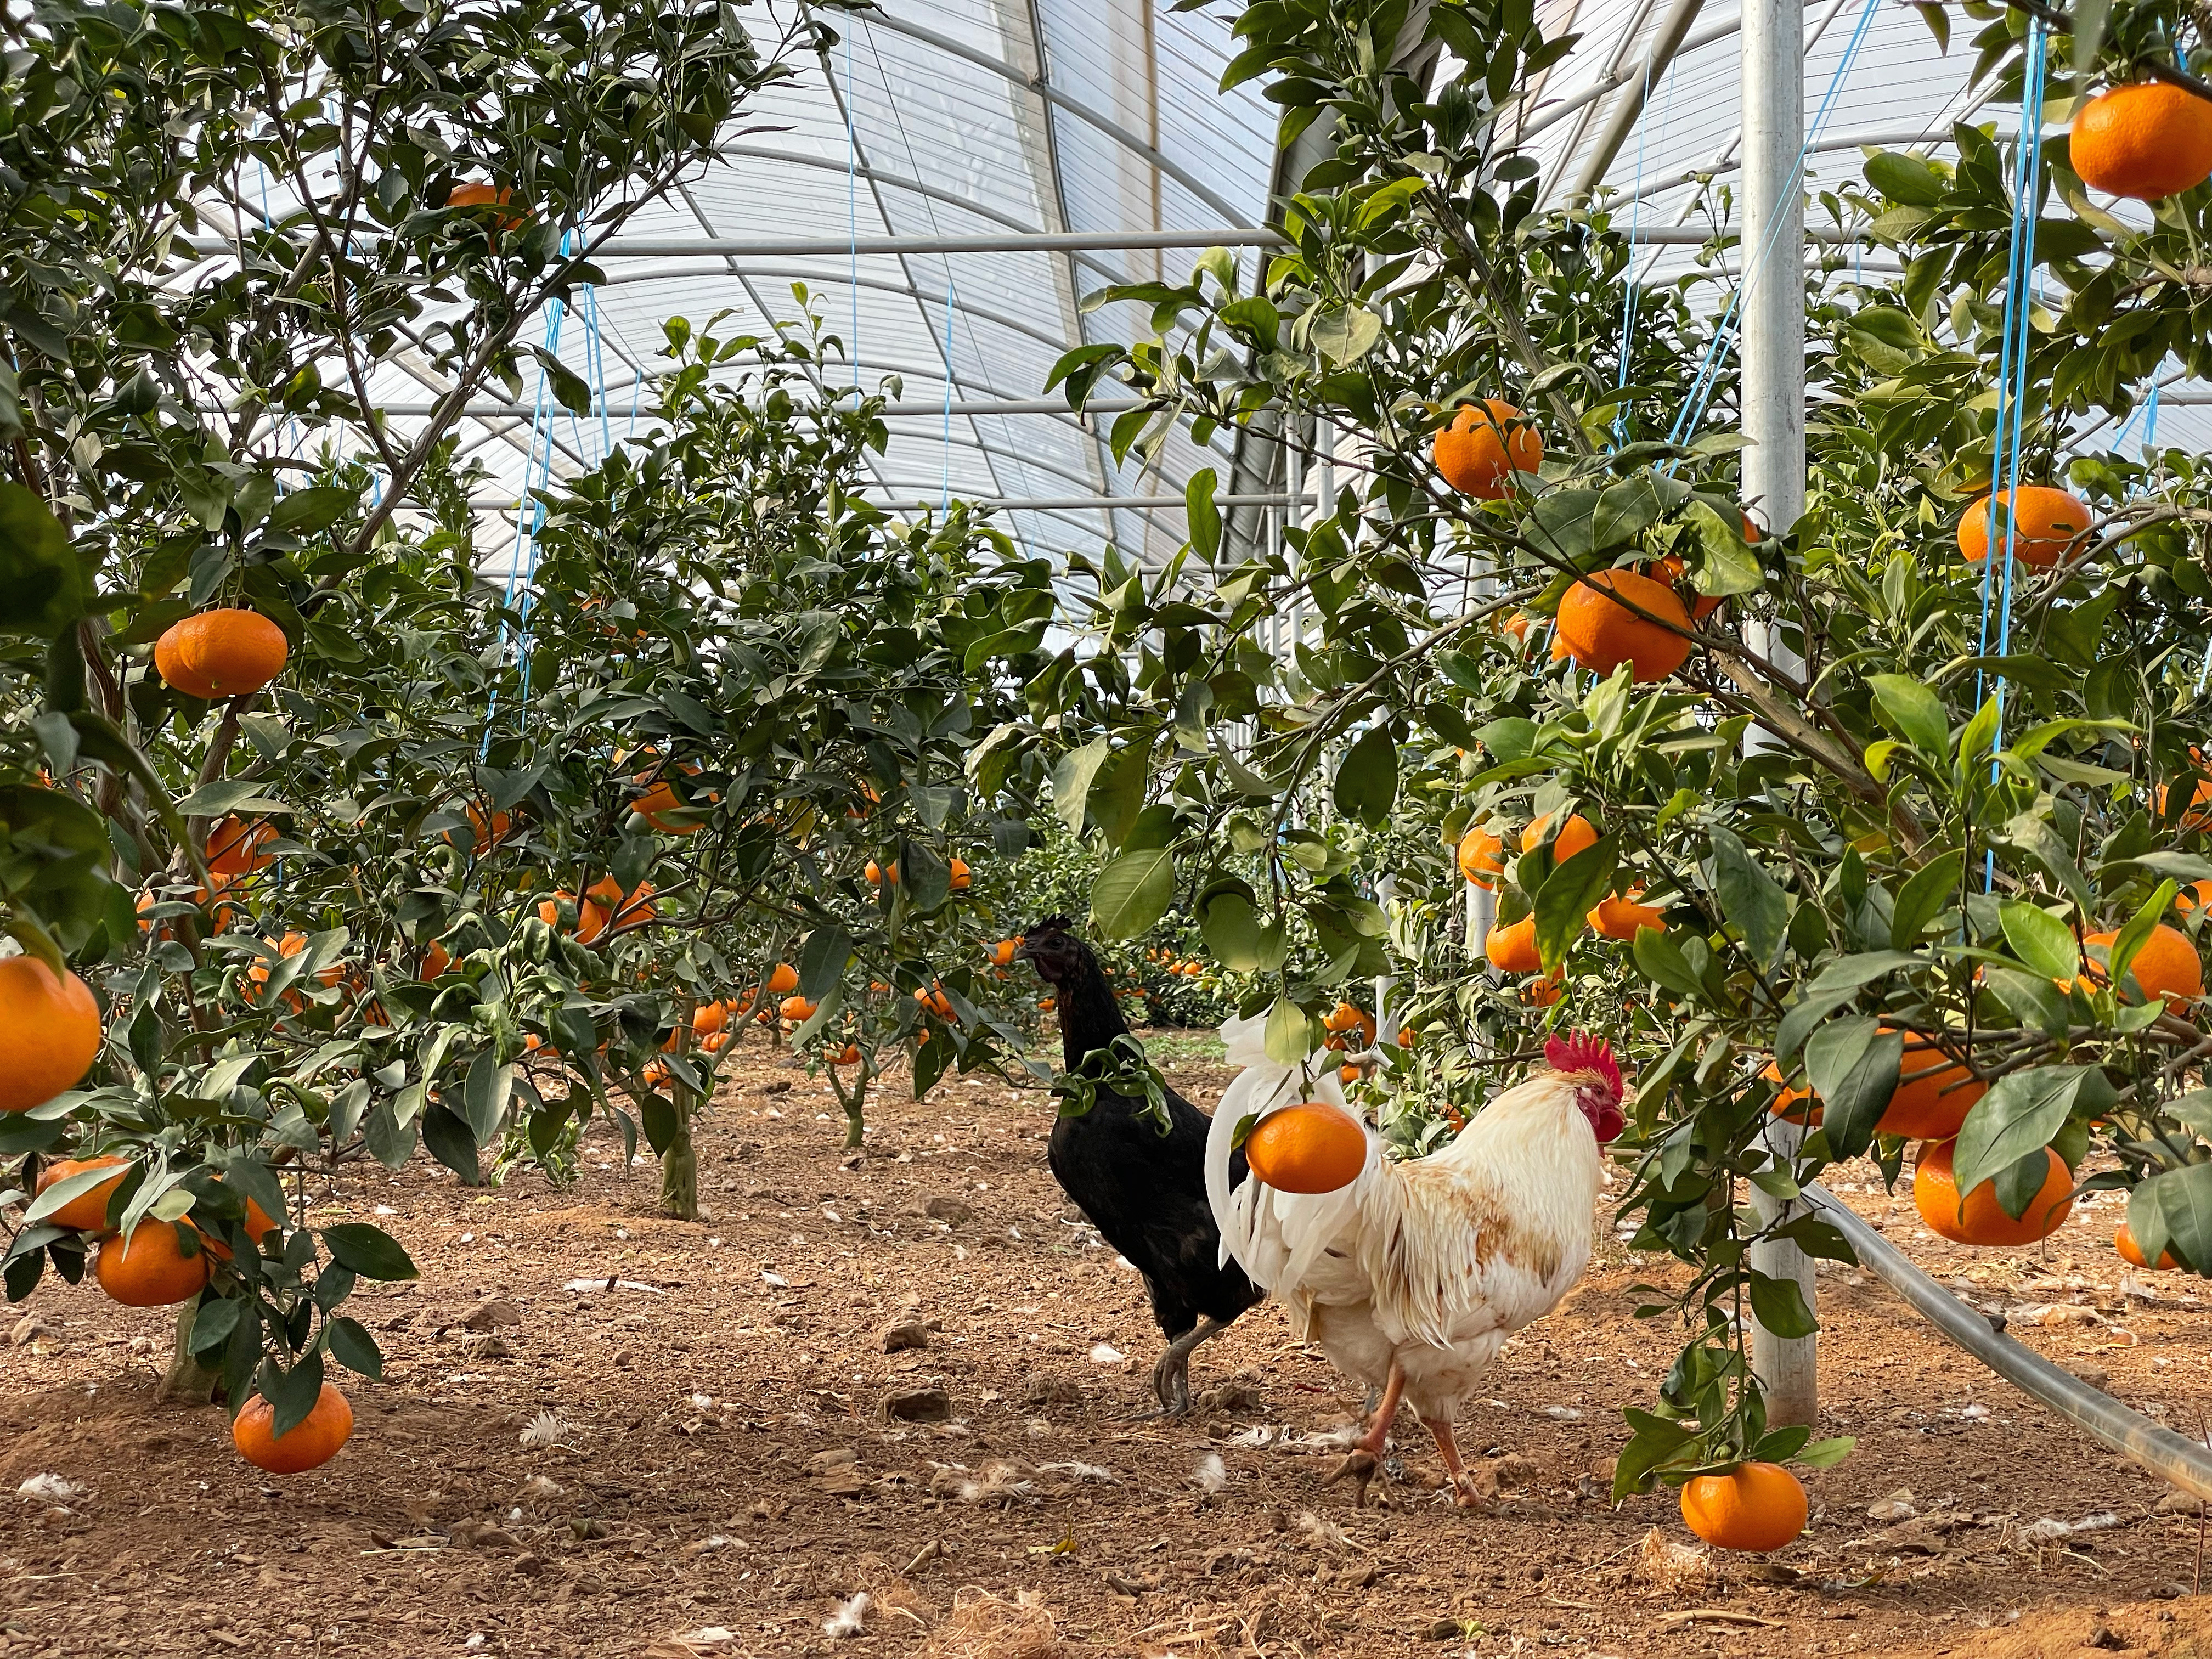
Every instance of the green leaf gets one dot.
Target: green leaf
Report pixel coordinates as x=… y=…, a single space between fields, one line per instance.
x=1853 y=1067
x=1906 y=178
x=309 y=512
x=1346 y=333
x=1749 y=897
x=1289 y=1033
x=1071 y=775
x=226 y=796
x=1132 y=892
x=1729 y=565
x=1229 y=920
x=1117 y=796
x=1367 y=778
x=2088 y=18
x=1564 y=903
x=569 y=389
x=2131 y=939
x=1910 y=709
x=2172 y=1211
x=1924 y=897
x=1660 y=960
x=293 y=1393
x=2021 y=1115
x=43 y=586
x=1205 y=517
x=822 y=961
x=2045 y=942
x=369 y=1251
x=1625 y=511
x=1779 y=1305
x=1561 y=521
x=352 y=1346
x=450 y=1140
x=1826 y=1454
x=484 y=1095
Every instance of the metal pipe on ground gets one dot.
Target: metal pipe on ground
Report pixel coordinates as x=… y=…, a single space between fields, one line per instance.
x=2187 y=1463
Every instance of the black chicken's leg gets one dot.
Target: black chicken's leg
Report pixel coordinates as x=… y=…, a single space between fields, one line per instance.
x=1171 y=1376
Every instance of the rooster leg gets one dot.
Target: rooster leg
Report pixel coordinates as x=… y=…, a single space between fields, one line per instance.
x=1171 y=1376
x=1463 y=1490
x=1366 y=1454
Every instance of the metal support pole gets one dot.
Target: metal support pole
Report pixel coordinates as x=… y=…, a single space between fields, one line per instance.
x=1386 y=1021
x=1774 y=401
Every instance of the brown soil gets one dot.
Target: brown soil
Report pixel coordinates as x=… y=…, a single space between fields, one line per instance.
x=723 y=1473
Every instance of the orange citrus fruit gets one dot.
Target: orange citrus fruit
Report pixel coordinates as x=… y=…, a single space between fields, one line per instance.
x=1601 y=633
x=49 y=1032
x=87 y=1211
x=149 y=1269
x=1312 y=1147
x=1933 y=1096
x=1485 y=445
x=1981 y=1220
x=2045 y=525
x=2147 y=141
x=1754 y=1506
x=2167 y=965
x=309 y=1444
x=1512 y=947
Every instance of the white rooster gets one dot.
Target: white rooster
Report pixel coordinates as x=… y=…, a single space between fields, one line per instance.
x=1412 y=1278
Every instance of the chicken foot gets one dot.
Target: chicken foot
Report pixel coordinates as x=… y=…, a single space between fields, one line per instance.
x=1366 y=1454
x=1171 y=1376
x=1464 y=1491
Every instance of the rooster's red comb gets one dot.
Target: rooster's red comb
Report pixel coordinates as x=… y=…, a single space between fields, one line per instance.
x=1579 y=1051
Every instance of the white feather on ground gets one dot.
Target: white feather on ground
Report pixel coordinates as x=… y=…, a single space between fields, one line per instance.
x=849 y=1618
x=1211 y=1474
x=49 y=1489
x=546 y=1429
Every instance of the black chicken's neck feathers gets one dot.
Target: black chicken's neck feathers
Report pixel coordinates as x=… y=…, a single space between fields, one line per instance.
x=1090 y=1013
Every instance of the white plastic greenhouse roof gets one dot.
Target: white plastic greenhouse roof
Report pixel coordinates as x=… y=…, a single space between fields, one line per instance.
x=946 y=119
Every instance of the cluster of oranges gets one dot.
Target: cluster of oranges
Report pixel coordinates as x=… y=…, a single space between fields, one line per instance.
x=162 y=1263
x=1168 y=963
x=604 y=906
x=1640 y=617
x=961 y=877
x=1934 y=1093
x=1511 y=948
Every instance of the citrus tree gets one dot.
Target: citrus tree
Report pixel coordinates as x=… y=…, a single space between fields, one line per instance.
x=219 y=223
x=1847 y=808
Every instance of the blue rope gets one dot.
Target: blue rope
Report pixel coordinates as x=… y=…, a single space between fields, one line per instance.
x=1693 y=413
x=2012 y=387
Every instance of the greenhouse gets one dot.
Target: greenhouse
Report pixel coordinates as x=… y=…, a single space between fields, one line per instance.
x=1229 y=828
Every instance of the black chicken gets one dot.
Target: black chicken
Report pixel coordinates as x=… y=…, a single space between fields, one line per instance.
x=1144 y=1191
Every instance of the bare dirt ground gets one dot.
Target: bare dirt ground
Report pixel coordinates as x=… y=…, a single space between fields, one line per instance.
x=720 y=1472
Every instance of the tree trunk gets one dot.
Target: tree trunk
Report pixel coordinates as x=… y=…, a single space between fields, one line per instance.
x=679 y=1173
x=186 y=1382
x=855 y=1119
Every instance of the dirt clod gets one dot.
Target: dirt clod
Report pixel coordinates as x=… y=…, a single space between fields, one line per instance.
x=918 y=1405
x=906 y=1334
x=491 y=1315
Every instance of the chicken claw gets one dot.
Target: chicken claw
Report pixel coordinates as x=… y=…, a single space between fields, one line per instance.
x=1360 y=1465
